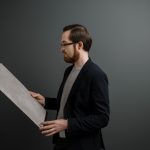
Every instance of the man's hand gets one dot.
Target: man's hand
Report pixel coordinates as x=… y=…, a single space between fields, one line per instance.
x=50 y=128
x=38 y=97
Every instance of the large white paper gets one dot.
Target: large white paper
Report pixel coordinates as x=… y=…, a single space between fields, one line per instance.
x=20 y=96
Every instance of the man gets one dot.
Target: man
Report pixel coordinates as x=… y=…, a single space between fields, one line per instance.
x=82 y=102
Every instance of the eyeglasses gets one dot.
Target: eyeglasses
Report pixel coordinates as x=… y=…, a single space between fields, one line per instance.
x=66 y=44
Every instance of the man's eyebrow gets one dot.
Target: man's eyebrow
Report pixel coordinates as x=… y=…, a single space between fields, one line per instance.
x=63 y=41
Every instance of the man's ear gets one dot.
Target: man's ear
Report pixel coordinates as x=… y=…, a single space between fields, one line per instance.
x=80 y=45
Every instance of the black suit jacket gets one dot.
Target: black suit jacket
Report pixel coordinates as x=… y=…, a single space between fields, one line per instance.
x=87 y=107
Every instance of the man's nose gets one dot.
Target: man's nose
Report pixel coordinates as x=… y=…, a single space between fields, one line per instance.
x=62 y=49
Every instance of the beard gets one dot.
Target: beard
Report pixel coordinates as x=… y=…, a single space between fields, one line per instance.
x=72 y=59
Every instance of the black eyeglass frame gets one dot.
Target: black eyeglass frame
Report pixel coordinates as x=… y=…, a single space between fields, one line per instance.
x=66 y=44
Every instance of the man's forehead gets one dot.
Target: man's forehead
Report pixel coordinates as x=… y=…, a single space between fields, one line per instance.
x=65 y=36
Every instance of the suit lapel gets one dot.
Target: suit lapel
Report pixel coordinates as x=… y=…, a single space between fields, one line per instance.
x=78 y=79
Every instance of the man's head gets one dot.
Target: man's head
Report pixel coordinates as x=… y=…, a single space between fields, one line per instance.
x=75 y=40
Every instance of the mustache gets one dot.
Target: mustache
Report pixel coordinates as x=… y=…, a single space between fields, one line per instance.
x=64 y=52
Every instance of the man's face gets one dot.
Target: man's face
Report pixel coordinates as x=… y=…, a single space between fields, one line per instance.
x=68 y=48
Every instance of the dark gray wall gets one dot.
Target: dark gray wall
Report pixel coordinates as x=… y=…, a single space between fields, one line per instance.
x=29 y=48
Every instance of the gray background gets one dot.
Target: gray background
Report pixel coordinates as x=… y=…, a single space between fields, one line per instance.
x=29 y=47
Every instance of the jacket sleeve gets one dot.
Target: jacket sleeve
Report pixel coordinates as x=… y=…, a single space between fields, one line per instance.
x=50 y=103
x=100 y=116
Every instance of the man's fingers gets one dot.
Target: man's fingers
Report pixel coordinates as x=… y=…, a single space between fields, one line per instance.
x=48 y=122
x=33 y=94
x=50 y=134
x=48 y=131
x=46 y=127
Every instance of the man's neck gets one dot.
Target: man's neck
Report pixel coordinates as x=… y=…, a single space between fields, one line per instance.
x=82 y=60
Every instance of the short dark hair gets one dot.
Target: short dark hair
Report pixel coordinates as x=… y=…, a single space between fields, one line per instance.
x=79 y=33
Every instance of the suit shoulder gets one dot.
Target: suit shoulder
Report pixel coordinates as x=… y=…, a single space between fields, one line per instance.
x=96 y=70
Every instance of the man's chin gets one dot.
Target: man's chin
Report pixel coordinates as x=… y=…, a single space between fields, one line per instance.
x=67 y=60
